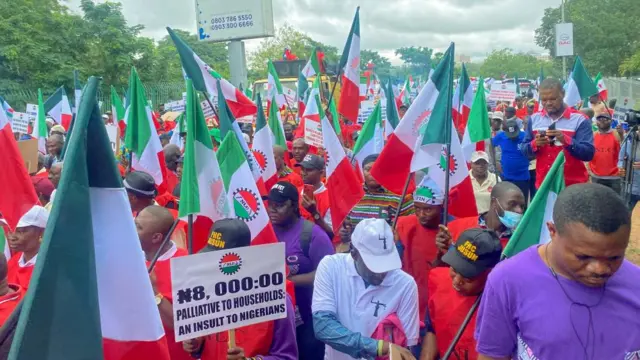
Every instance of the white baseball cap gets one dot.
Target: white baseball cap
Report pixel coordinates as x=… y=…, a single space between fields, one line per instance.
x=36 y=216
x=373 y=238
x=479 y=155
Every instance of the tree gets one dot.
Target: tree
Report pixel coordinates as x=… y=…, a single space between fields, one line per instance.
x=300 y=44
x=505 y=61
x=167 y=61
x=418 y=59
x=382 y=64
x=605 y=32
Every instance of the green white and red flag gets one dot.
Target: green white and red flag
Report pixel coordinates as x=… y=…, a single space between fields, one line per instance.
x=57 y=106
x=242 y=192
x=141 y=137
x=345 y=190
x=118 y=112
x=263 y=141
x=90 y=285
x=462 y=101
x=205 y=79
x=202 y=191
x=349 y=104
x=602 y=88
x=478 y=127
x=39 y=130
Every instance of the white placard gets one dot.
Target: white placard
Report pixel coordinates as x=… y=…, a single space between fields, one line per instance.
x=234 y=20
x=206 y=109
x=564 y=39
x=227 y=289
x=20 y=122
x=32 y=111
x=312 y=133
x=112 y=132
x=366 y=108
x=502 y=92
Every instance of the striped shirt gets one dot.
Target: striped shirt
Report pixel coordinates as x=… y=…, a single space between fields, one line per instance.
x=381 y=204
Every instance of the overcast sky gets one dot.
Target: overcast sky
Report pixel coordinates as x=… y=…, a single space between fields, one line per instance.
x=476 y=26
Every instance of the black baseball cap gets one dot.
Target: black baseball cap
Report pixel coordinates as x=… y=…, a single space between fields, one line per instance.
x=604 y=115
x=475 y=251
x=228 y=234
x=140 y=183
x=312 y=162
x=281 y=192
x=512 y=129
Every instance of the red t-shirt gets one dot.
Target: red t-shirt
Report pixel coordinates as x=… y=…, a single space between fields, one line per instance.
x=322 y=203
x=162 y=270
x=447 y=310
x=292 y=178
x=420 y=251
x=605 y=160
x=458 y=226
x=19 y=275
x=9 y=302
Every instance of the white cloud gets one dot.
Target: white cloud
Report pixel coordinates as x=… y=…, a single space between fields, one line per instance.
x=476 y=26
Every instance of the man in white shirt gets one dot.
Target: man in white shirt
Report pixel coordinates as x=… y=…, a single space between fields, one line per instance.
x=354 y=292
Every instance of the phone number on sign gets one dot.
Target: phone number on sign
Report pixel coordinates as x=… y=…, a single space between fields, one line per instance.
x=232 y=22
x=234 y=286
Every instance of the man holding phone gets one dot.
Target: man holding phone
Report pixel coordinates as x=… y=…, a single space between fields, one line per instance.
x=558 y=128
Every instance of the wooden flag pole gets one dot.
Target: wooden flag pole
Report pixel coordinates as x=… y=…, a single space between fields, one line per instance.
x=166 y=239
x=190 y=235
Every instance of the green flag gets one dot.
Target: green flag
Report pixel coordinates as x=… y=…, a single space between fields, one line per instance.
x=532 y=229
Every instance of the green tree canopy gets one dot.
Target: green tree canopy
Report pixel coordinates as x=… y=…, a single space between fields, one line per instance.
x=382 y=64
x=506 y=61
x=606 y=33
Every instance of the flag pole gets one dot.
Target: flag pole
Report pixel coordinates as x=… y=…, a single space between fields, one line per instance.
x=462 y=328
x=212 y=108
x=166 y=239
x=404 y=193
x=190 y=234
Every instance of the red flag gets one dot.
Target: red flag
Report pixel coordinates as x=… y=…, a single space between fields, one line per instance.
x=17 y=194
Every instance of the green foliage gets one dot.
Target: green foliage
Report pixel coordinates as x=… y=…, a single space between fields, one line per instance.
x=272 y=48
x=382 y=64
x=417 y=60
x=506 y=61
x=42 y=43
x=606 y=33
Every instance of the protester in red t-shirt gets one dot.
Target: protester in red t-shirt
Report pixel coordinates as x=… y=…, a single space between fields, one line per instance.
x=453 y=290
x=505 y=212
x=285 y=173
x=10 y=294
x=604 y=166
x=24 y=243
x=417 y=235
x=299 y=150
x=152 y=224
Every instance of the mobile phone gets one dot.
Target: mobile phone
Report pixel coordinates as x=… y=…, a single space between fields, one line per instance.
x=308 y=191
x=552 y=127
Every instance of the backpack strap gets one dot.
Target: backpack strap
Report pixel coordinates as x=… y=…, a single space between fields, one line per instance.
x=305 y=236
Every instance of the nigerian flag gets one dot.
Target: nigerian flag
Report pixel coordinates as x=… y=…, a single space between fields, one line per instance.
x=532 y=229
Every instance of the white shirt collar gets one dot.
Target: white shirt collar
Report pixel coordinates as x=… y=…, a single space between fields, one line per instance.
x=169 y=253
x=321 y=189
x=31 y=262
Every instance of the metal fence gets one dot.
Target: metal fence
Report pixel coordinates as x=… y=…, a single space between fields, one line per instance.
x=158 y=93
x=623 y=88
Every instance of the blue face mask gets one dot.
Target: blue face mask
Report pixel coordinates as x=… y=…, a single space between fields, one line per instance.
x=510 y=219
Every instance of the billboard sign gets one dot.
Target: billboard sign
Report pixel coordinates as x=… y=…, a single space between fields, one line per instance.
x=564 y=39
x=234 y=20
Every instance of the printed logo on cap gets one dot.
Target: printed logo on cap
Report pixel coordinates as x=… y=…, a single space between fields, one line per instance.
x=215 y=240
x=512 y=129
x=246 y=204
x=424 y=195
x=278 y=187
x=468 y=251
x=230 y=263
x=453 y=163
x=261 y=159
x=308 y=158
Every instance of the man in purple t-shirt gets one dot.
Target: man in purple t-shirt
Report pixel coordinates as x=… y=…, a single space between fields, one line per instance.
x=306 y=244
x=573 y=298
